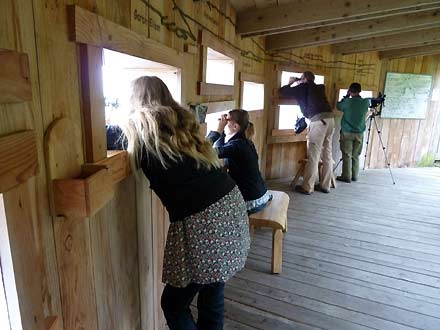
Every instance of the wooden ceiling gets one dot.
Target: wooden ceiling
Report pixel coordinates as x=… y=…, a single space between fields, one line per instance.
x=395 y=28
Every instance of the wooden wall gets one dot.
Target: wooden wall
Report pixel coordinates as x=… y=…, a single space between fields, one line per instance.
x=110 y=262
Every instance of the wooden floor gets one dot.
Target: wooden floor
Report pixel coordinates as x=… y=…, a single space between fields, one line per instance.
x=365 y=256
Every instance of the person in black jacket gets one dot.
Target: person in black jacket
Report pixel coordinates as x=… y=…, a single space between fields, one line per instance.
x=314 y=106
x=208 y=238
x=241 y=158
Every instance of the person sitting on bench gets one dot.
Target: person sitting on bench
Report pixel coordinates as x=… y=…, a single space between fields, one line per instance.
x=241 y=158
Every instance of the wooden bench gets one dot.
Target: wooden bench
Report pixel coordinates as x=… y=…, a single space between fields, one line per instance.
x=300 y=173
x=273 y=216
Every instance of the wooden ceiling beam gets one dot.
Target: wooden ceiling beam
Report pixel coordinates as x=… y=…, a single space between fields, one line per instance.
x=348 y=31
x=299 y=15
x=411 y=51
x=399 y=40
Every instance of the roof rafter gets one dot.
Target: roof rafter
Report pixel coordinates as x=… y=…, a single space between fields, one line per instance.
x=299 y=15
x=348 y=31
x=411 y=51
x=399 y=40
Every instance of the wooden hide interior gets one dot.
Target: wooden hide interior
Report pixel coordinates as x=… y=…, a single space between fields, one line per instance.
x=89 y=233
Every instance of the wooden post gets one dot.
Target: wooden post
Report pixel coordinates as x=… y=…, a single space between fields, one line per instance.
x=93 y=103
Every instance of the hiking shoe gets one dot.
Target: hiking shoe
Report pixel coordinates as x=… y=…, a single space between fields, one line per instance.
x=341 y=178
x=354 y=179
x=319 y=188
x=301 y=190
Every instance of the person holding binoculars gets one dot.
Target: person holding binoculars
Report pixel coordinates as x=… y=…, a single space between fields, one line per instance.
x=355 y=109
x=314 y=106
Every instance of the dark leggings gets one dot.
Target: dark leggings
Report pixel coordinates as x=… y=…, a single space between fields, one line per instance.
x=175 y=304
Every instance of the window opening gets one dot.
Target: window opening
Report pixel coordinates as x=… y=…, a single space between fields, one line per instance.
x=253 y=96
x=219 y=68
x=119 y=70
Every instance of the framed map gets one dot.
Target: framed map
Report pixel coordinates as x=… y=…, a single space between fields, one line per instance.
x=407 y=95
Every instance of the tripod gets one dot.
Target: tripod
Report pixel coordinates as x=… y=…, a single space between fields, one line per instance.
x=372 y=118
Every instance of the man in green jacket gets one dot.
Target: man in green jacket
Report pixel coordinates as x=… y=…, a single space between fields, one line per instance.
x=355 y=109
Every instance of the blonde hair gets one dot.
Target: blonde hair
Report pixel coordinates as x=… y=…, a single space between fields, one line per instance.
x=166 y=130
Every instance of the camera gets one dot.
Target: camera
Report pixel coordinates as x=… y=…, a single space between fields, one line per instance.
x=379 y=100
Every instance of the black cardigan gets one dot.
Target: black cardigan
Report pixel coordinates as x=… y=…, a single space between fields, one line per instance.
x=183 y=188
x=241 y=159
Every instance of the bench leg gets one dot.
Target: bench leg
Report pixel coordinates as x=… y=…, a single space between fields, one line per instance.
x=277 y=250
x=251 y=231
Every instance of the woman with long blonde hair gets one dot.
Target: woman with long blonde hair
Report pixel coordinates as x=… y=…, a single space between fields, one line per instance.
x=208 y=237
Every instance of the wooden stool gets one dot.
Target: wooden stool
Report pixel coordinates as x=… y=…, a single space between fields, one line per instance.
x=273 y=216
x=300 y=173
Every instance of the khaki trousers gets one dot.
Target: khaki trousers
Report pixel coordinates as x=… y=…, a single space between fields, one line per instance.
x=319 y=146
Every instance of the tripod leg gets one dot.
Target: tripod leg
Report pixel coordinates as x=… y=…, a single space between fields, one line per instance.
x=368 y=140
x=379 y=133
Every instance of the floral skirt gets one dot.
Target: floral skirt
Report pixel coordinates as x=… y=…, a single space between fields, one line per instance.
x=209 y=246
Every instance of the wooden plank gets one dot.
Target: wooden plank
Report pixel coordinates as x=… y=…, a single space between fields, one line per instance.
x=19 y=206
x=113 y=233
x=147 y=284
x=398 y=40
x=51 y=323
x=83 y=196
x=294 y=138
x=118 y=163
x=208 y=40
x=89 y=28
x=191 y=49
x=295 y=16
x=207 y=89
x=93 y=103
x=18 y=159
x=15 y=83
x=252 y=77
x=72 y=237
x=75 y=270
x=348 y=31
x=410 y=51
x=220 y=106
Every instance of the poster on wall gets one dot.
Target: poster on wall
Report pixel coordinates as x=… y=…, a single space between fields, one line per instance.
x=407 y=95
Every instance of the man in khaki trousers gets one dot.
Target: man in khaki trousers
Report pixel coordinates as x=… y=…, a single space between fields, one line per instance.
x=314 y=106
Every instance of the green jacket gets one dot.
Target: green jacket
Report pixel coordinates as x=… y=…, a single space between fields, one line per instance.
x=355 y=110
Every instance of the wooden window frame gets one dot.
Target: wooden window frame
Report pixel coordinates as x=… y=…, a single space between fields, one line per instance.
x=285 y=135
x=93 y=33
x=206 y=41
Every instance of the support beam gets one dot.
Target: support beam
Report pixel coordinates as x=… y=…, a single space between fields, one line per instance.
x=399 y=40
x=349 y=31
x=298 y=14
x=412 y=51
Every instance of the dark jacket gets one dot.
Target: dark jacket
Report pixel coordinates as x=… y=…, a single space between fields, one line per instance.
x=183 y=188
x=310 y=97
x=241 y=159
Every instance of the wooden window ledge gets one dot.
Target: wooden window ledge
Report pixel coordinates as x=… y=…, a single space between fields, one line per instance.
x=286 y=136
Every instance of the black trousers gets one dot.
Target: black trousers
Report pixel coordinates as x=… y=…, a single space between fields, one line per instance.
x=175 y=304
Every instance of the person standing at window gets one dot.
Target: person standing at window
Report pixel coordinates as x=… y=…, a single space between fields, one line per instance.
x=314 y=106
x=208 y=238
x=355 y=109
